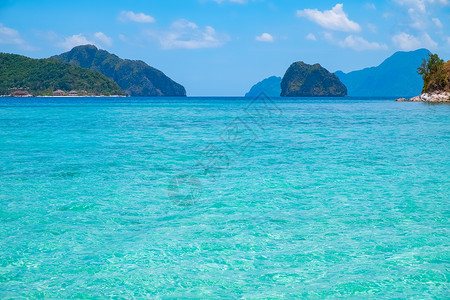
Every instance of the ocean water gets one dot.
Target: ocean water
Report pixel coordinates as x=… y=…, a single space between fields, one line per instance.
x=224 y=198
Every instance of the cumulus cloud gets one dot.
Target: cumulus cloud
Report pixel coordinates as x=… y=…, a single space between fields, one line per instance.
x=129 y=16
x=408 y=42
x=11 y=36
x=265 y=37
x=311 y=37
x=73 y=41
x=437 y=22
x=414 y=5
x=354 y=42
x=420 y=5
x=359 y=44
x=418 y=12
x=187 y=35
x=334 y=19
x=103 y=38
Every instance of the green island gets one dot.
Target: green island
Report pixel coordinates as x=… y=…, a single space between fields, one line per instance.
x=436 y=80
x=135 y=77
x=304 y=80
x=23 y=76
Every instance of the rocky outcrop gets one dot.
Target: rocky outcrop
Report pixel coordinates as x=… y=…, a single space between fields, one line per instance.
x=135 y=77
x=436 y=97
x=432 y=97
x=436 y=84
x=303 y=80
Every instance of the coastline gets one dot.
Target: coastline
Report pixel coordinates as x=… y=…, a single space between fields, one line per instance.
x=87 y=96
x=435 y=97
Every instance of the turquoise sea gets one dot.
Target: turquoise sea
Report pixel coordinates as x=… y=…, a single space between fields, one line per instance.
x=224 y=198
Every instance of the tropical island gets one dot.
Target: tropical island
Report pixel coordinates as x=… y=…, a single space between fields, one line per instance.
x=436 y=80
x=21 y=76
x=303 y=80
x=396 y=76
x=83 y=71
x=135 y=77
x=86 y=71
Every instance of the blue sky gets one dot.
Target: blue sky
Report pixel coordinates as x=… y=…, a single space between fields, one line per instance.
x=223 y=47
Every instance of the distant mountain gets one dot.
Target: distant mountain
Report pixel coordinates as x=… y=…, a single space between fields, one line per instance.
x=135 y=77
x=303 y=80
x=396 y=76
x=41 y=77
x=270 y=86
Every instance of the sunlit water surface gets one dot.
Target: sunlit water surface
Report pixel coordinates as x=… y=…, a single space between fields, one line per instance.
x=209 y=198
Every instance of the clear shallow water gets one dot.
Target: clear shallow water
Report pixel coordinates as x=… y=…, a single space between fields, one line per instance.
x=315 y=198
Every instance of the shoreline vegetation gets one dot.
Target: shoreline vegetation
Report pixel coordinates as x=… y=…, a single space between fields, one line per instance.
x=436 y=81
x=28 y=95
x=21 y=76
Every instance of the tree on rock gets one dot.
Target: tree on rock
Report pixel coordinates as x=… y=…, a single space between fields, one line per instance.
x=433 y=74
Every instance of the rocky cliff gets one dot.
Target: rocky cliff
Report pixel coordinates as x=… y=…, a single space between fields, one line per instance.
x=135 y=77
x=303 y=80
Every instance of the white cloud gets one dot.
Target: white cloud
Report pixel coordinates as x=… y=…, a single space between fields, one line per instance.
x=359 y=44
x=311 y=37
x=409 y=42
x=334 y=19
x=414 y=5
x=11 y=36
x=420 y=5
x=419 y=12
x=103 y=38
x=187 y=35
x=354 y=42
x=126 y=16
x=73 y=41
x=265 y=37
x=437 y=22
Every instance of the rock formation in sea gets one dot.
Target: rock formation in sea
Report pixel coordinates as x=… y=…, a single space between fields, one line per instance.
x=303 y=80
x=436 y=81
x=135 y=77
x=439 y=96
x=270 y=86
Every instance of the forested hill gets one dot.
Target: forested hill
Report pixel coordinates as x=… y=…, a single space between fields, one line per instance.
x=41 y=77
x=135 y=77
